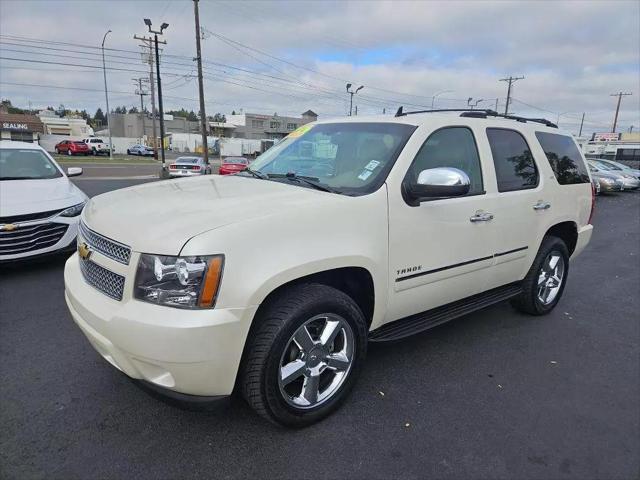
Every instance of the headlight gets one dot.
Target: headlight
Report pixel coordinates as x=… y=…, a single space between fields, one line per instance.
x=606 y=181
x=73 y=211
x=182 y=282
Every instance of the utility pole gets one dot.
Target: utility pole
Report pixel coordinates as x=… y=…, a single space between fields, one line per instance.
x=496 y=105
x=142 y=93
x=148 y=43
x=581 y=124
x=511 y=81
x=203 y=116
x=352 y=93
x=147 y=22
x=106 y=95
x=615 y=119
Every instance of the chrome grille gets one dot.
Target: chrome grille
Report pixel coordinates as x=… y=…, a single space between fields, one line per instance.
x=109 y=283
x=27 y=238
x=110 y=248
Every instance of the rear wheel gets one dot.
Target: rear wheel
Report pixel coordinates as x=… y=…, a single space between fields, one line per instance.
x=305 y=355
x=544 y=284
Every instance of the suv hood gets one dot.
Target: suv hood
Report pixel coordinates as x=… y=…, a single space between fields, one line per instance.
x=18 y=197
x=160 y=217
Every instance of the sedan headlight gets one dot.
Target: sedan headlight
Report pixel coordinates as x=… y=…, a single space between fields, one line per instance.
x=606 y=181
x=181 y=282
x=73 y=211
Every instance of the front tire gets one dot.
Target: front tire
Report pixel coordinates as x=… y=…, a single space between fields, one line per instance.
x=69 y=153
x=304 y=355
x=544 y=284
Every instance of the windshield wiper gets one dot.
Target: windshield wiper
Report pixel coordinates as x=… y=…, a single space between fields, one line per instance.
x=255 y=173
x=311 y=181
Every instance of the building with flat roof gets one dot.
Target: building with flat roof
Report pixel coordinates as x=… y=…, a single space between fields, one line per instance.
x=68 y=126
x=258 y=126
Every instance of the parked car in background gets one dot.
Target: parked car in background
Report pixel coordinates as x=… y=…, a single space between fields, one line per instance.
x=618 y=167
x=608 y=182
x=273 y=280
x=39 y=206
x=231 y=165
x=629 y=182
x=97 y=146
x=188 y=167
x=141 y=150
x=72 y=147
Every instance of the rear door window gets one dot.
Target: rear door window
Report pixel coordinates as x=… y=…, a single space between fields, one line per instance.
x=513 y=161
x=564 y=157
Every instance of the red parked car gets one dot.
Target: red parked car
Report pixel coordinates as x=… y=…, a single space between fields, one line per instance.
x=71 y=147
x=232 y=165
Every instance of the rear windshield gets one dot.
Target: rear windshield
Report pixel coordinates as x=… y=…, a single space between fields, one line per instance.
x=18 y=164
x=564 y=157
x=187 y=160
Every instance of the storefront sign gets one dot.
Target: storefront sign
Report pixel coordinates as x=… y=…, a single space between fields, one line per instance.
x=605 y=137
x=14 y=126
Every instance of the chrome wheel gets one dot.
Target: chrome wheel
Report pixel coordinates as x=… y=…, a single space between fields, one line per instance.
x=550 y=278
x=316 y=361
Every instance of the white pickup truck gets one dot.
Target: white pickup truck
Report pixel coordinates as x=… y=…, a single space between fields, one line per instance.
x=97 y=145
x=271 y=282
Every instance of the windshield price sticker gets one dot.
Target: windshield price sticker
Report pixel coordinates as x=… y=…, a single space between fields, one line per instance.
x=364 y=175
x=300 y=131
x=372 y=165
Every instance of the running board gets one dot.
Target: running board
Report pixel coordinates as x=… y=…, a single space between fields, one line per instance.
x=420 y=322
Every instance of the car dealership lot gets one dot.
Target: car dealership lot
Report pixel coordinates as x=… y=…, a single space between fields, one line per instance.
x=494 y=394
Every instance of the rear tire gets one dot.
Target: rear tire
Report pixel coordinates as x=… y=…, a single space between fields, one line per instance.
x=326 y=365
x=544 y=284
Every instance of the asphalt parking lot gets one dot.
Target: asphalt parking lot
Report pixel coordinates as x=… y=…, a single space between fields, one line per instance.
x=495 y=394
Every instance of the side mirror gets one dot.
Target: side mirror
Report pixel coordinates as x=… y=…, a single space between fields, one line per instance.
x=74 y=171
x=438 y=183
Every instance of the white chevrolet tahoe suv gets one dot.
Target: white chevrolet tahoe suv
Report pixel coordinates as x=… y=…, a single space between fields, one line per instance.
x=272 y=281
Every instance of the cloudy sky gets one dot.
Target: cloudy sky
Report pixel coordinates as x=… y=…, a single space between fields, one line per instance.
x=290 y=56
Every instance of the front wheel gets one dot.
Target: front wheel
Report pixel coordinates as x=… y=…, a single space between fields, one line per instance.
x=304 y=355
x=69 y=153
x=544 y=284
x=57 y=151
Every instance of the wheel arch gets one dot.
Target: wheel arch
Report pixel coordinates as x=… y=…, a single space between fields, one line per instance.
x=567 y=232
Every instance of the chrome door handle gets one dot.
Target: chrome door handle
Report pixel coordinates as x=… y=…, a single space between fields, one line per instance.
x=482 y=217
x=542 y=205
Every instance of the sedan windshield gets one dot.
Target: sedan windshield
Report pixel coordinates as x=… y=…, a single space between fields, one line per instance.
x=350 y=158
x=25 y=164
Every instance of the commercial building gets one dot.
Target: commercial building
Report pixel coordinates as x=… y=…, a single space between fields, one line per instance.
x=68 y=126
x=20 y=127
x=257 y=126
x=614 y=146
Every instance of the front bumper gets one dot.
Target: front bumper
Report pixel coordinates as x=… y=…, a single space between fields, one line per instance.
x=193 y=352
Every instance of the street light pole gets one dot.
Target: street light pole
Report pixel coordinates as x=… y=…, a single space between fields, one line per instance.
x=106 y=95
x=352 y=93
x=155 y=41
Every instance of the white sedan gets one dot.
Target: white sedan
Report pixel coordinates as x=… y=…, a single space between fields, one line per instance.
x=39 y=206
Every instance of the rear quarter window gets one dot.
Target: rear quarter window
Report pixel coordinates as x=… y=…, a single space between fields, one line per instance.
x=564 y=158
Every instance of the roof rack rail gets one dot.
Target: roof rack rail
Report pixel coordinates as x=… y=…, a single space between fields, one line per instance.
x=475 y=113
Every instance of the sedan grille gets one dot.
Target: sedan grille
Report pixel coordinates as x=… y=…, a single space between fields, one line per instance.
x=32 y=237
x=109 y=283
x=115 y=250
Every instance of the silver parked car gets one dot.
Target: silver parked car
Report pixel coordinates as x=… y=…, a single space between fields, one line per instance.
x=608 y=182
x=141 y=150
x=629 y=182
x=618 y=167
x=188 y=167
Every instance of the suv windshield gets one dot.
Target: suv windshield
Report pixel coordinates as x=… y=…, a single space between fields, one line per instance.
x=352 y=158
x=17 y=164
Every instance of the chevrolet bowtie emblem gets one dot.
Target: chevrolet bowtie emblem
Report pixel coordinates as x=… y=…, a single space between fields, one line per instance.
x=9 y=227
x=84 y=251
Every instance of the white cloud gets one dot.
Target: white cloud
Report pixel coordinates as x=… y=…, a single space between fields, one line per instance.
x=573 y=54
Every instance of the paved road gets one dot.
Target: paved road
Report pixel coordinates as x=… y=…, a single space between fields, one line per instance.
x=493 y=395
